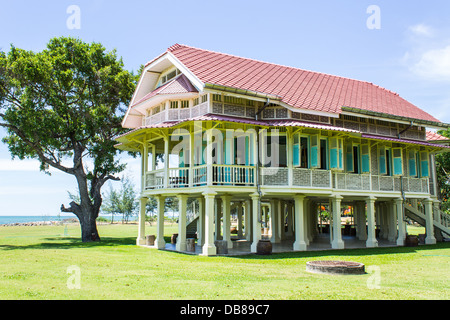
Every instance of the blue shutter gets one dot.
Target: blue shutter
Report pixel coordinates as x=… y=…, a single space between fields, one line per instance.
x=397 y=161
x=424 y=166
x=349 y=157
x=412 y=163
x=334 y=161
x=382 y=160
x=365 y=158
x=314 y=142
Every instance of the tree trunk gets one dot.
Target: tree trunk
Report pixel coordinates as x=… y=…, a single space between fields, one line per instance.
x=89 y=230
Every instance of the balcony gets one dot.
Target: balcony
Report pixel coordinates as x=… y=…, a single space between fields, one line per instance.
x=245 y=176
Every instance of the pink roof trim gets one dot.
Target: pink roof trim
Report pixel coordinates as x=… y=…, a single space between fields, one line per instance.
x=370 y=136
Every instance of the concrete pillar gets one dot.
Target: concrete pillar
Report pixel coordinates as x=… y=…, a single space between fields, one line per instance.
x=300 y=237
x=166 y=162
x=209 y=249
x=141 y=233
x=400 y=222
x=201 y=222
x=275 y=221
x=337 y=242
x=392 y=221
x=430 y=239
x=247 y=219
x=160 y=203
x=371 y=236
x=181 y=239
x=226 y=207
x=256 y=229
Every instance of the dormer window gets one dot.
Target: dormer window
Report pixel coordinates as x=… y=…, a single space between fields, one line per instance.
x=167 y=76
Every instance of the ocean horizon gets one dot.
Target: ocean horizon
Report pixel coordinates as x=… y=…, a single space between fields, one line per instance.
x=40 y=218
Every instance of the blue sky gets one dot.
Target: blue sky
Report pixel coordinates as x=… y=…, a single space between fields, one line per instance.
x=408 y=54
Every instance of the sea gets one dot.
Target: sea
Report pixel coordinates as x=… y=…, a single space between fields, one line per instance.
x=25 y=219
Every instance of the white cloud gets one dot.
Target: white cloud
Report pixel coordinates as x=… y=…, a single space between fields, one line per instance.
x=434 y=64
x=422 y=30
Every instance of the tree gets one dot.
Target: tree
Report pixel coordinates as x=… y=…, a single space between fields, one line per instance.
x=122 y=201
x=63 y=106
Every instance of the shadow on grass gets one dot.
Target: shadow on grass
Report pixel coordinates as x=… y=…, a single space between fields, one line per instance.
x=70 y=243
x=343 y=252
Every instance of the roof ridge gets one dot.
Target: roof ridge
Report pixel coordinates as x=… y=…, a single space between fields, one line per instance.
x=178 y=45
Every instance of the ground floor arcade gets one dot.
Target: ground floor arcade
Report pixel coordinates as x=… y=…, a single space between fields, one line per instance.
x=292 y=222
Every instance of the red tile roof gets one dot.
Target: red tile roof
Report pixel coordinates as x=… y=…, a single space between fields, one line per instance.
x=296 y=87
x=434 y=136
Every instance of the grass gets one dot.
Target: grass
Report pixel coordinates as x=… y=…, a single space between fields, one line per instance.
x=35 y=260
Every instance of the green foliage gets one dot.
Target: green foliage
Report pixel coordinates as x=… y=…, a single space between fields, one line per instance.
x=122 y=201
x=63 y=106
x=443 y=175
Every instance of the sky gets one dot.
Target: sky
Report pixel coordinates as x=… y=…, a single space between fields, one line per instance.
x=403 y=46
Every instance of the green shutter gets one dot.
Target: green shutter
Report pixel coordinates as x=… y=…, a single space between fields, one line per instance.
x=365 y=158
x=334 y=154
x=397 y=161
x=296 y=151
x=349 y=157
x=424 y=167
x=412 y=163
x=314 y=141
x=382 y=160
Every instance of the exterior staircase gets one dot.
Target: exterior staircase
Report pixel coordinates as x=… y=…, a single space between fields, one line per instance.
x=441 y=225
x=191 y=225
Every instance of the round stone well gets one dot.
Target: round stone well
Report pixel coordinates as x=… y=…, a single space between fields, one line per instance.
x=335 y=267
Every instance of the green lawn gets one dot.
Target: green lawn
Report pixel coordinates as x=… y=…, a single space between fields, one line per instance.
x=34 y=262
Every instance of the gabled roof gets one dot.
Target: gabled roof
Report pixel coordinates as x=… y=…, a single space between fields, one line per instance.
x=295 y=87
x=434 y=137
x=180 y=84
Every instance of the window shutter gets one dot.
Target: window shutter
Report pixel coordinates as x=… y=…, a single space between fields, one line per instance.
x=382 y=160
x=365 y=158
x=315 y=150
x=424 y=167
x=349 y=157
x=334 y=161
x=296 y=151
x=181 y=158
x=412 y=163
x=397 y=161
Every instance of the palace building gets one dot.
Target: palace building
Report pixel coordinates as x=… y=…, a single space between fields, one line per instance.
x=258 y=150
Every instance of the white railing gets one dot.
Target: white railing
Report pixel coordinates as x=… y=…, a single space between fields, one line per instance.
x=176 y=114
x=154 y=179
x=200 y=176
x=233 y=174
x=178 y=177
x=271 y=176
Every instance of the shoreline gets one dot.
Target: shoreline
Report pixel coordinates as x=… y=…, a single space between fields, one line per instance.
x=39 y=223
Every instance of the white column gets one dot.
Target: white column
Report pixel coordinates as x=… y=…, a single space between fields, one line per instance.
x=141 y=233
x=201 y=221
x=209 y=249
x=166 y=162
x=160 y=202
x=209 y=159
x=191 y=157
x=362 y=225
x=300 y=237
x=337 y=242
x=430 y=239
x=247 y=219
x=401 y=223
x=181 y=239
x=392 y=221
x=371 y=236
x=256 y=222
x=226 y=199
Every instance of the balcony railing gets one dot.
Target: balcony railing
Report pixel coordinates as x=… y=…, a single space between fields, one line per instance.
x=237 y=175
